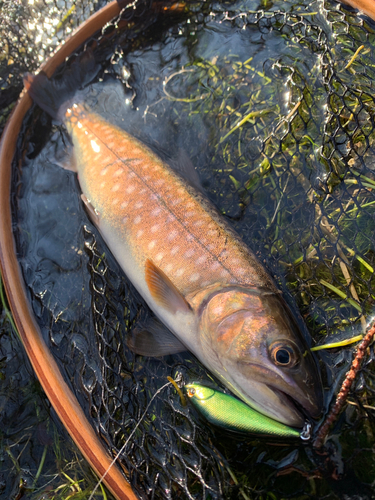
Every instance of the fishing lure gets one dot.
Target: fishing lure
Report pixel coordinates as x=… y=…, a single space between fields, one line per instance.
x=232 y=414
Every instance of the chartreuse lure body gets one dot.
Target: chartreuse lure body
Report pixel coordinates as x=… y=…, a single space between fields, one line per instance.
x=232 y=414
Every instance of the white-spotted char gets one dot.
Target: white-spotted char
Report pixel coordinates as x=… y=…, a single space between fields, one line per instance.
x=200 y=279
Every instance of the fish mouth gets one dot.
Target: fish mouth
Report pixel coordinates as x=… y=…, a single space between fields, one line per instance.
x=294 y=406
x=303 y=410
x=286 y=402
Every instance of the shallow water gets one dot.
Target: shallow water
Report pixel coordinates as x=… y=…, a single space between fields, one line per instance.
x=188 y=89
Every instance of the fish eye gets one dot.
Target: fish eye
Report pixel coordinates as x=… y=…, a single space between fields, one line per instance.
x=283 y=354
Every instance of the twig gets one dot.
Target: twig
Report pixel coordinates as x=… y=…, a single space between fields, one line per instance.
x=345 y=388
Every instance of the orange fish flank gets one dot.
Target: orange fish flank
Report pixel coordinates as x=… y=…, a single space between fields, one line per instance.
x=154 y=209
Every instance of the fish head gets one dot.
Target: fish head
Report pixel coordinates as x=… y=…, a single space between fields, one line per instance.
x=254 y=345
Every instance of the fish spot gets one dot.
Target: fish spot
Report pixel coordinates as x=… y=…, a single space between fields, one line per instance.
x=156 y=211
x=151 y=245
x=215 y=264
x=130 y=189
x=198 y=223
x=175 y=250
x=189 y=237
x=139 y=233
x=241 y=271
x=86 y=132
x=201 y=259
x=180 y=272
x=189 y=253
x=205 y=283
x=139 y=204
x=172 y=235
x=194 y=277
x=131 y=175
x=79 y=125
x=115 y=201
x=190 y=214
x=118 y=172
x=176 y=201
x=223 y=273
x=212 y=232
x=180 y=190
x=155 y=227
x=159 y=256
x=143 y=191
x=102 y=185
x=111 y=144
x=154 y=196
x=137 y=220
x=125 y=220
x=124 y=204
x=95 y=146
x=168 y=268
x=104 y=171
x=170 y=218
x=115 y=188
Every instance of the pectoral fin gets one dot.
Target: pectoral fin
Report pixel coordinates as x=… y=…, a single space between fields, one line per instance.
x=154 y=339
x=163 y=291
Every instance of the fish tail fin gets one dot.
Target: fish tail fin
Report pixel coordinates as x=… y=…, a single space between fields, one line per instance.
x=57 y=95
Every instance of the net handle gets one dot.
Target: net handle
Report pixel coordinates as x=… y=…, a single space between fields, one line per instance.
x=59 y=394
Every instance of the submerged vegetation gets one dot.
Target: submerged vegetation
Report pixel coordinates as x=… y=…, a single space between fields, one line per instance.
x=38 y=459
x=293 y=145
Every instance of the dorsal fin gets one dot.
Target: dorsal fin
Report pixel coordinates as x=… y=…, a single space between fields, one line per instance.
x=184 y=166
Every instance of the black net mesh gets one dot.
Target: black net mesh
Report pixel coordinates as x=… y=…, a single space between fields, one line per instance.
x=275 y=107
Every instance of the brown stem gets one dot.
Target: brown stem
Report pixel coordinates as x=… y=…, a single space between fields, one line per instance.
x=345 y=388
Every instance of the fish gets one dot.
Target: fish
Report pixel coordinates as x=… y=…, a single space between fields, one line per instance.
x=208 y=291
x=229 y=413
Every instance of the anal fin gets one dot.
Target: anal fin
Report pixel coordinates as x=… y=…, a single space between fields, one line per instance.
x=154 y=339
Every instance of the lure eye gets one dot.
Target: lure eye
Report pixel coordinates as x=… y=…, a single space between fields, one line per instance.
x=191 y=392
x=283 y=354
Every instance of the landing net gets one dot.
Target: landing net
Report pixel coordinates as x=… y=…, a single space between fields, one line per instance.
x=275 y=106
